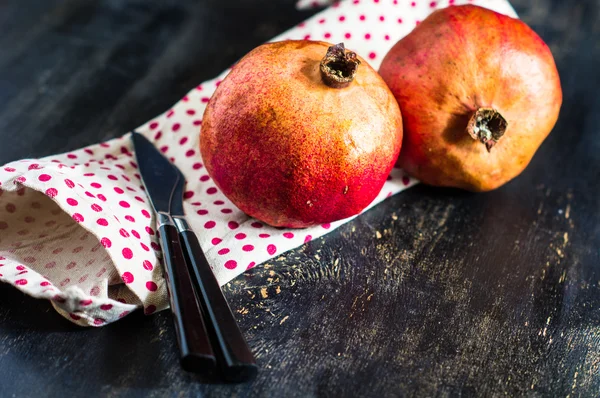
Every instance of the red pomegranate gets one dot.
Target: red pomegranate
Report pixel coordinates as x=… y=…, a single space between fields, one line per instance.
x=479 y=92
x=301 y=133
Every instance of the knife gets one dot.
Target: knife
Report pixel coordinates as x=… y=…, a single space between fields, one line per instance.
x=234 y=357
x=162 y=184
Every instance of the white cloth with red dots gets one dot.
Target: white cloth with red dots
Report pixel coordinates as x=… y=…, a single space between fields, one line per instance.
x=77 y=228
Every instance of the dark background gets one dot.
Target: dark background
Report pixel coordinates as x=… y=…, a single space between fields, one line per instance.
x=435 y=292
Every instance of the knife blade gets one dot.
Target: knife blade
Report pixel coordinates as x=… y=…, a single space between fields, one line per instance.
x=234 y=357
x=163 y=184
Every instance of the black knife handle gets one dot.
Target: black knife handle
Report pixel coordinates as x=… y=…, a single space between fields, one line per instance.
x=196 y=352
x=236 y=359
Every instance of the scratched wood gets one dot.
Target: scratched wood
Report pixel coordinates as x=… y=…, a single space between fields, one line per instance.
x=433 y=293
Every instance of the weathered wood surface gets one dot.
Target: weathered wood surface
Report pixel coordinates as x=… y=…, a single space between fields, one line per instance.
x=433 y=293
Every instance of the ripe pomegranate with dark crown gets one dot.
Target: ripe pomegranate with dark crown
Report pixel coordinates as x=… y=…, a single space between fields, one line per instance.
x=479 y=92
x=301 y=133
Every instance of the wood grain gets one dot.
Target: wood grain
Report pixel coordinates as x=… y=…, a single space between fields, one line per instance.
x=432 y=293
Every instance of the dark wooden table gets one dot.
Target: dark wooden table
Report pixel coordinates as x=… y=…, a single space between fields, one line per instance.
x=435 y=292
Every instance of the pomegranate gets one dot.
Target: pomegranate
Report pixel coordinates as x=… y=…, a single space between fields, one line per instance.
x=479 y=92
x=301 y=133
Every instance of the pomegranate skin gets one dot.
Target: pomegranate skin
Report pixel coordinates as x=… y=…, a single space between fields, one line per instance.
x=458 y=60
x=291 y=151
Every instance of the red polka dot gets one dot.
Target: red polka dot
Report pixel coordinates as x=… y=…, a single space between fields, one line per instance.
x=155 y=246
x=247 y=248
x=112 y=177
x=96 y=185
x=211 y=191
x=432 y=4
x=216 y=241
x=223 y=251
x=140 y=199
x=147 y=265
x=188 y=194
x=271 y=249
x=307 y=239
x=176 y=127
x=226 y=211
x=149 y=230
x=233 y=225
x=240 y=236
x=209 y=224
x=127 y=277
x=135 y=233
x=372 y=55
x=367 y=36
x=151 y=286
x=288 y=235
x=150 y=310
x=124 y=204
x=74 y=317
x=164 y=148
x=202 y=212
x=96 y=208
x=99 y=321
x=387 y=37
x=44 y=177
x=342 y=18
x=9 y=169
x=153 y=125
x=204 y=178
x=102 y=197
x=347 y=35
x=190 y=153
x=382 y=18
x=106 y=242
x=45 y=284
x=129 y=218
x=78 y=217
x=21 y=282
x=146 y=248
x=118 y=190
x=399 y=20
x=183 y=141
x=197 y=166
x=128 y=254
x=230 y=264
x=106 y=307
x=257 y=225
x=72 y=202
x=145 y=213
x=102 y=222
x=11 y=208
x=197 y=122
x=264 y=235
x=362 y=18
x=327 y=35
x=306 y=37
x=124 y=233
x=251 y=265
x=51 y=192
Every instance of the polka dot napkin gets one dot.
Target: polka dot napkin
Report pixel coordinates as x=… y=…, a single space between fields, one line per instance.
x=77 y=228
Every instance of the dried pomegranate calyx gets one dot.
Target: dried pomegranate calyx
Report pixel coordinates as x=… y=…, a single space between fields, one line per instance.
x=487 y=125
x=338 y=67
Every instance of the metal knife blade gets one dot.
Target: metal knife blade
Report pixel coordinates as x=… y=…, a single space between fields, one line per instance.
x=159 y=177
